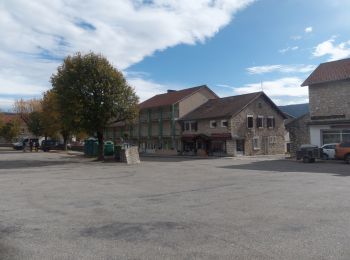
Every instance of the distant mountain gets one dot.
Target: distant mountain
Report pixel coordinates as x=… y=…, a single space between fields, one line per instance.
x=296 y=110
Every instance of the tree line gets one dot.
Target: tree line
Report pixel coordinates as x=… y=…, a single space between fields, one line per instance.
x=87 y=94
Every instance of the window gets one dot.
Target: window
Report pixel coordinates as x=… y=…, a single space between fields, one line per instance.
x=272 y=139
x=335 y=136
x=224 y=123
x=270 y=122
x=256 y=143
x=190 y=126
x=212 y=124
x=187 y=126
x=193 y=126
x=260 y=122
x=250 y=123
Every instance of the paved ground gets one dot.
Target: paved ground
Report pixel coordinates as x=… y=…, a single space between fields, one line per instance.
x=64 y=207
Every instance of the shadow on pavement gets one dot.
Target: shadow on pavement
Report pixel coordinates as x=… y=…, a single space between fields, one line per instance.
x=174 y=158
x=18 y=164
x=338 y=168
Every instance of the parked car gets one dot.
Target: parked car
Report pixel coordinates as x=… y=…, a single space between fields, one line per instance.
x=328 y=151
x=342 y=151
x=19 y=145
x=309 y=153
x=49 y=145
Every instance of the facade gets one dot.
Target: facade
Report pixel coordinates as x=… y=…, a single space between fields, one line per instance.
x=249 y=124
x=299 y=133
x=329 y=96
x=157 y=129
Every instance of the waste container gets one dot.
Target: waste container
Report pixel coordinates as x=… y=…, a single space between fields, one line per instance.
x=108 y=148
x=117 y=152
x=91 y=147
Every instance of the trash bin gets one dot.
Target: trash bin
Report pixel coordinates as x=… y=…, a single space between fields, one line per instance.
x=91 y=147
x=117 y=152
x=108 y=148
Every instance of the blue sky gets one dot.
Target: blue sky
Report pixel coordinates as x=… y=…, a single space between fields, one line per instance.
x=233 y=46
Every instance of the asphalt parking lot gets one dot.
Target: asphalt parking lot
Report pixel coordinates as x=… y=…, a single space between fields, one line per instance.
x=55 y=206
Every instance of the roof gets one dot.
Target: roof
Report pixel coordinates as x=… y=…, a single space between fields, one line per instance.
x=8 y=117
x=329 y=71
x=227 y=107
x=171 y=98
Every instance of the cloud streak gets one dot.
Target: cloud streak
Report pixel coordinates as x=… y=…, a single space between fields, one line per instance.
x=298 y=68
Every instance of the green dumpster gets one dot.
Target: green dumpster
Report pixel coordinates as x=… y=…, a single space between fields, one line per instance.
x=108 y=149
x=91 y=147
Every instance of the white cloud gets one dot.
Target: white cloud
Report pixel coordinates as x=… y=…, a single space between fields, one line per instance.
x=6 y=104
x=334 y=51
x=36 y=35
x=296 y=37
x=283 y=51
x=308 y=29
x=297 y=68
x=282 y=91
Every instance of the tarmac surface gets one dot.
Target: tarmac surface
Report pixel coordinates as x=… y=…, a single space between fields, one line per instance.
x=57 y=206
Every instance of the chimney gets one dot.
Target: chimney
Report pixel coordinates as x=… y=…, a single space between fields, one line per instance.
x=171 y=90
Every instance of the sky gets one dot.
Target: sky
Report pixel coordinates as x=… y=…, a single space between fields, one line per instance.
x=232 y=46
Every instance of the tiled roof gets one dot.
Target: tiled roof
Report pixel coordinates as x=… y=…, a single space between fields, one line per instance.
x=222 y=107
x=169 y=98
x=226 y=107
x=329 y=71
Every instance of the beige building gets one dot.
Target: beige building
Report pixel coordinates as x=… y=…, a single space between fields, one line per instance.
x=157 y=129
x=249 y=124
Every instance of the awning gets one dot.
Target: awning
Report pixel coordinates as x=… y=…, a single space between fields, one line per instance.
x=221 y=136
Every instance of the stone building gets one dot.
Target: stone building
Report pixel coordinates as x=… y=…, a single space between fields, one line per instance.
x=329 y=98
x=249 y=124
x=157 y=129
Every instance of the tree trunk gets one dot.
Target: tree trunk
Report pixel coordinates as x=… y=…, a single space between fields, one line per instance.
x=100 y=145
x=65 y=136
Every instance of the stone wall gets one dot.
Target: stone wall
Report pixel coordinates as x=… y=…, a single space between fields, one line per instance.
x=299 y=133
x=328 y=99
x=130 y=155
x=260 y=107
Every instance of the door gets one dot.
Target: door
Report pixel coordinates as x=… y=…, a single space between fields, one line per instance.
x=240 y=147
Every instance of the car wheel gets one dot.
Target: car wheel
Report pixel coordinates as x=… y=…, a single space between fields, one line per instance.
x=347 y=159
x=306 y=159
x=325 y=156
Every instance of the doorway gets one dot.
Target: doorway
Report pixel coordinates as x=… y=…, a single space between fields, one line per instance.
x=240 y=146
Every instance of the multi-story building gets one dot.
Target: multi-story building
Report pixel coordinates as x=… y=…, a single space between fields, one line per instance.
x=249 y=124
x=157 y=129
x=329 y=98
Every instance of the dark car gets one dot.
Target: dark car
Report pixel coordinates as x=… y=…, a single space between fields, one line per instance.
x=47 y=145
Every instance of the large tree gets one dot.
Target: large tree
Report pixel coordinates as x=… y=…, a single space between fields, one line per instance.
x=89 y=88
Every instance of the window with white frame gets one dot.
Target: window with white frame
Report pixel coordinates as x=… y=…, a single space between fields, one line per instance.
x=213 y=124
x=224 y=123
x=260 y=122
x=190 y=126
x=250 y=121
x=256 y=143
x=270 y=122
x=273 y=139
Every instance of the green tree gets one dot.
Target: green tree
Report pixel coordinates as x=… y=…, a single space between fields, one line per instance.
x=10 y=130
x=51 y=118
x=35 y=123
x=90 y=89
